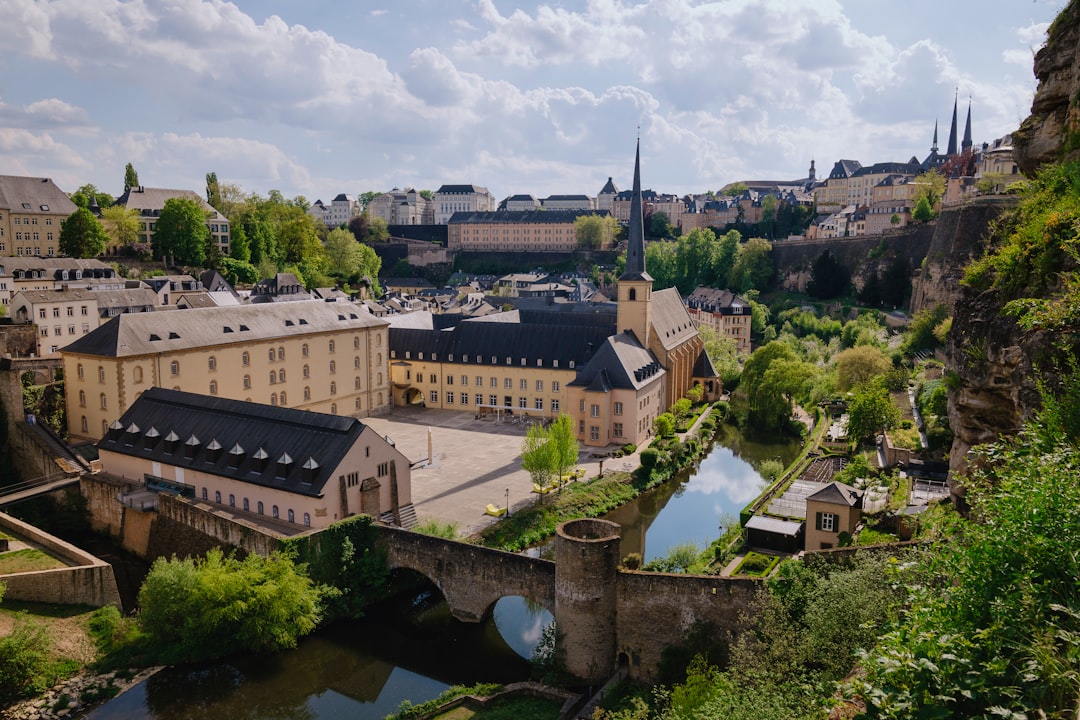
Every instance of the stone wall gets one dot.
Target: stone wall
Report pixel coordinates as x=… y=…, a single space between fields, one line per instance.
x=189 y=528
x=471 y=578
x=102 y=502
x=656 y=610
x=88 y=580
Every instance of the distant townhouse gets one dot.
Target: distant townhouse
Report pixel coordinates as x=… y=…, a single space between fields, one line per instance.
x=31 y=210
x=517 y=231
x=343 y=208
x=605 y=199
x=53 y=273
x=283 y=287
x=671 y=205
x=170 y=288
x=408 y=286
x=149 y=202
x=324 y=357
x=568 y=202
x=62 y=316
x=402 y=207
x=722 y=311
x=891 y=206
x=450 y=199
x=861 y=183
x=996 y=166
x=302 y=468
x=832 y=195
x=515 y=203
x=319 y=212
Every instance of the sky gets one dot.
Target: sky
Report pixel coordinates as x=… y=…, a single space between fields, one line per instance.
x=320 y=97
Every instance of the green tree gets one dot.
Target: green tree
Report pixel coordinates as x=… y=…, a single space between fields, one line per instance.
x=81 y=235
x=564 y=443
x=664 y=425
x=723 y=352
x=753 y=266
x=595 y=231
x=218 y=605
x=895 y=219
x=239 y=246
x=88 y=192
x=922 y=212
x=213 y=191
x=131 y=178
x=661 y=258
x=658 y=225
x=366 y=198
x=299 y=238
x=858 y=365
x=929 y=186
x=768 y=214
x=121 y=224
x=920 y=333
x=343 y=254
x=238 y=271
x=871 y=412
x=538 y=455
x=828 y=277
x=181 y=232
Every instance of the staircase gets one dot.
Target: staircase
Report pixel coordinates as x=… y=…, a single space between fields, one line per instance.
x=407 y=514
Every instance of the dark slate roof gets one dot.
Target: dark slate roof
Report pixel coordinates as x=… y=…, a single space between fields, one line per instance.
x=620 y=363
x=844 y=169
x=837 y=493
x=520 y=197
x=446 y=189
x=218 y=430
x=888 y=167
x=609 y=188
x=703 y=367
x=499 y=340
x=670 y=321
x=19 y=194
x=517 y=217
x=344 y=197
x=716 y=300
x=567 y=197
x=635 y=233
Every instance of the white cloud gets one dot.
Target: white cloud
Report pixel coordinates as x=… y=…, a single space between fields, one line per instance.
x=46 y=113
x=1033 y=35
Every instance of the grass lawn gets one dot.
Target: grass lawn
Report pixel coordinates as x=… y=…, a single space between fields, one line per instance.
x=756 y=564
x=509 y=709
x=27 y=560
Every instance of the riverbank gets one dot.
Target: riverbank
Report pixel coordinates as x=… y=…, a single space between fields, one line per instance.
x=78 y=695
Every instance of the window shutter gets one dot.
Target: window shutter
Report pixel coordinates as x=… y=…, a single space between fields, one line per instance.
x=817 y=521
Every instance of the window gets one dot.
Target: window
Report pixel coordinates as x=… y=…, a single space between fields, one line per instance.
x=307 y=519
x=356 y=363
x=247 y=382
x=333 y=388
x=826 y=522
x=101 y=374
x=479 y=381
x=281 y=376
x=356 y=343
x=508 y=383
x=281 y=353
x=246 y=505
x=594 y=410
x=174 y=368
x=204 y=495
x=213 y=387
x=582 y=406
x=434 y=397
x=211 y=364
x=383 y=469
x=71 y=312
x=104 y=402
x=217 y=496
x=232 y=500
x=331 y=346
x=138 y=375
x=281 y=397
x=259 y=507
x=449 y=379
x=271 y=354
x=521 y=403
x=464 y=379
x=555 y=407
x=539 y=386
x=523 y=384
x=306 y=372
x=618 y=408
x=304 y=350
x=80 y=371
x=494 y=382
x=273 y=399
x=56 y=312
x=82 y=310
x=245 y=359
x=292 y=516
x=538 y=404
x=82 y=398
x=333 y=367
x=273 y=377
x=449 y=398
x=307 y=393
x=581 y=427
x=356 y=383
x=274 y=511
x=493 y=400
x=594 y=432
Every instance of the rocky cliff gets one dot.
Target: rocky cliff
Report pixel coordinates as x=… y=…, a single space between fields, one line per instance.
x=1052 y=131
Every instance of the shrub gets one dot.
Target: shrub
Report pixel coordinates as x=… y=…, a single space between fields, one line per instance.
x=629 y=448
x=649 y=458
x=24 y=660
x=632 y=561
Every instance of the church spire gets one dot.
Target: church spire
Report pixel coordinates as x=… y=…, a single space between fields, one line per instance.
x=966 y=145
x=933 y=147
x=951 y=149
x=635 y=246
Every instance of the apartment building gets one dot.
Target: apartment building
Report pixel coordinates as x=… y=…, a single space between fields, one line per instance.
x=402 y=207
x=517 y=231
x=31 y=210
x=62 y=316
x=450 y=199
x=149 y=202
x=724 y=312
x=52 y=273
x=323 y=357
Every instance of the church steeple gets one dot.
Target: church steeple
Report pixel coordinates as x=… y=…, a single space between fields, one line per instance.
x=933 y=146
x=635 y=245
x=634 y=309
x=966 y=145
x=951 y=149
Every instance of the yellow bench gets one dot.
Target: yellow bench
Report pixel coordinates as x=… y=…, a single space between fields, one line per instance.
x=495 y=510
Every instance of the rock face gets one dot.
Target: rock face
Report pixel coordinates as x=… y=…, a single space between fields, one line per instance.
x=961 y=235
x=1052 y=131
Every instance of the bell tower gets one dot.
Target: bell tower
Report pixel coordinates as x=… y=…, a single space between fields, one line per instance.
x=635 y=285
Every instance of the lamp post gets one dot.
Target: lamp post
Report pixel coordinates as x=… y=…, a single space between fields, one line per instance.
x=508 y=502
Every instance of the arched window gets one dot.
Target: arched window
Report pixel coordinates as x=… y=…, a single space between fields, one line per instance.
x=247 y=505
x=138 y=375
x=274 y=511
x=101 y=374
x=174 y=368
x=333 y=408
x=356 y=342
x=356 y=362
x=307 y=393
x=232 y=500
x=307 y=372
x=281 y=353
x=307 y=520
x=331 y=346
x=292 y=516
x=281 y=376
x=247 y=382
x=273 y=398
x=80 y=371
x=378 y=340
x=245 y=359
x=217 y=496
x=83 y=424
x=378 y=378
x=204 y=497
x=259 y=507
x=356 y=383
x=211 y=363
x=271 y=354
x=281 y=398
x=333 y=367
x=104 y=426
x=633 y=294
x=82 y=398
x=378 y=359
x=273 y=377
x=304 y=350
x=357 y=403
x=104 y=402
x=333 y=389
x=213 y=387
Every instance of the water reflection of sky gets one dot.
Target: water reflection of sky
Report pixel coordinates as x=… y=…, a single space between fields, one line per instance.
x=722 y=472
x=521 y=623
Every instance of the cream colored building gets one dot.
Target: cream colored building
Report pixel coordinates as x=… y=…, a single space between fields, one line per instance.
x=323 y=357
x=518 y=231
x=149 y=202
x=295 y=468
x=62 y=316
x=53 y=273
x=724 y=312
x=31 y=210
x=402 y=207
x=835 y=508
x=450 y=199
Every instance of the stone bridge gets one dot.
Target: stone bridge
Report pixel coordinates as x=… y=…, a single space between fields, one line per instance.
x=471 y=578
x=607 y=617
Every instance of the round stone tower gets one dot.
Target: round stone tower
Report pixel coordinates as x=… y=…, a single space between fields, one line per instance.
x=586 y=563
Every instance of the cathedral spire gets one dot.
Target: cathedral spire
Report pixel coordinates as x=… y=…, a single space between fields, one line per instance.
x=966 y=145
x=933 y=147
x=951 y=149
x=635 y=246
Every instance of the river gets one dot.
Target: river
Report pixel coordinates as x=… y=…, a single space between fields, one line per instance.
x=365 y=669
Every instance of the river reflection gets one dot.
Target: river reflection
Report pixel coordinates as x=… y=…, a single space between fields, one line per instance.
x=362 y=669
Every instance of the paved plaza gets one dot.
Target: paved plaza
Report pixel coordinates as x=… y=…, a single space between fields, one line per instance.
x=474 y=463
